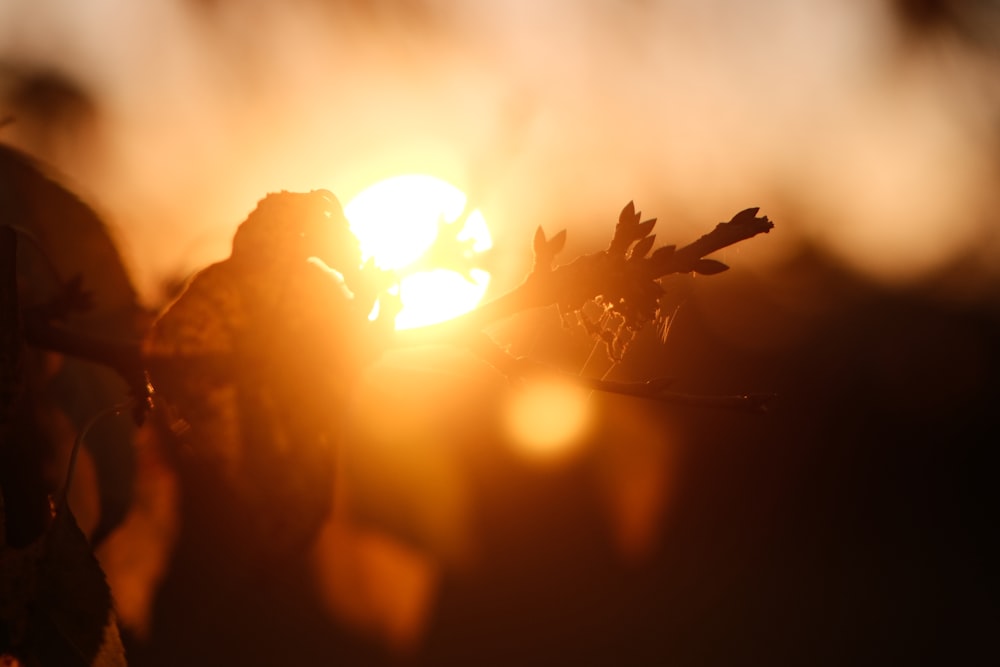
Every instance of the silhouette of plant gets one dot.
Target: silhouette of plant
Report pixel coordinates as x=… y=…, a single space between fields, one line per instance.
x=222 y=371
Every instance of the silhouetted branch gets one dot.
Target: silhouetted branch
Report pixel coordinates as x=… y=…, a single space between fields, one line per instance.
x=123 y=357
x=521 y=368
x=622 y=275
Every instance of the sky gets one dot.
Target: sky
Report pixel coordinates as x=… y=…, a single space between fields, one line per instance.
x=855 y=125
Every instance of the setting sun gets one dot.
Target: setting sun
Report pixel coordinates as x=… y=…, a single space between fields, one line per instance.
x=399 y=222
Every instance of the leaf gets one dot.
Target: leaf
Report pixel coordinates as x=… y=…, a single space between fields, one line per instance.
x=625 y=231
x=640 y=249
x=745 y=216
x=644 y=228
x=628 y=215
x=557 y=243
x=547 y=249
x=57 y=603
x=72 y=240
x=708 y=267
x=538 y=244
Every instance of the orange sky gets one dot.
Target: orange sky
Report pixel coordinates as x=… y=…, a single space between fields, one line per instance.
x=840 y=125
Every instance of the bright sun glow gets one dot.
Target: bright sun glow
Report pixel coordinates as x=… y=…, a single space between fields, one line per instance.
x=397 y=222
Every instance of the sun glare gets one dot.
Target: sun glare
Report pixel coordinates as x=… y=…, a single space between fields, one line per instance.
x=397 y=221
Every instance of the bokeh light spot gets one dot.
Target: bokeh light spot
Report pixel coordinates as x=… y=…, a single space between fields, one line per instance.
x=547 y=420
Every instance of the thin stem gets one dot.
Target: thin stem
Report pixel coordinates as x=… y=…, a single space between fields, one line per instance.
x=655 y=389
x=590 y=357
x=123 y=357
x=116 y=409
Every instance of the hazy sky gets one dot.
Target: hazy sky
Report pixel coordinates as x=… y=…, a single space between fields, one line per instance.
x=878 y=141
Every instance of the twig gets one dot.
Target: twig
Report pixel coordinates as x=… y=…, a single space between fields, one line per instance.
x=589 y=276
x=519 y=368
x=62 y=498
x=120 y=356
x=744 y=225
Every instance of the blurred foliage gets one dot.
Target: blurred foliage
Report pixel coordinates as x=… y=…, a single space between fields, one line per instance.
x=255 y=361
x=65 y=253
x=55 y=605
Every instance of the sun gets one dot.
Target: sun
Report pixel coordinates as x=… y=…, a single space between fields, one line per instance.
x=397 y=221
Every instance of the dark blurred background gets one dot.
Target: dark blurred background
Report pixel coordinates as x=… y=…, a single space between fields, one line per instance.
x=849 y=523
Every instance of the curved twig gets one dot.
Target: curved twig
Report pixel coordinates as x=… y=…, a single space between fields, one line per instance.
x=63 y=495
x=519 y=368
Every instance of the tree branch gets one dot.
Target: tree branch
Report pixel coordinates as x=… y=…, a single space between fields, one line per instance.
x=587 y=277
x=123 y=357
x=520 y=368
x=611 y=270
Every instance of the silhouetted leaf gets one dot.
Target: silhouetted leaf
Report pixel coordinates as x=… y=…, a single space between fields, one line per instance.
x=640 y=249
x=663 y=253
x=74 y=241
x=57 y=605
x=745 y=216
x=628 y=215
x=644 y=228
x=709 y=267
x=625 y=231
x=557 y=243
x=538 y=244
